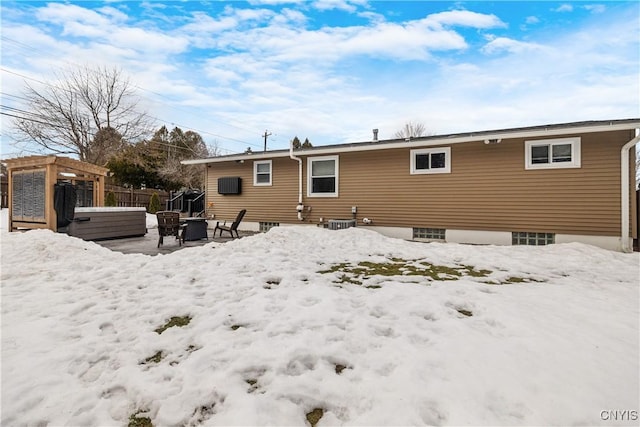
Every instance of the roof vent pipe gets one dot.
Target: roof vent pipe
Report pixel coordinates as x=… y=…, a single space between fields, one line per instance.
x=375 y=134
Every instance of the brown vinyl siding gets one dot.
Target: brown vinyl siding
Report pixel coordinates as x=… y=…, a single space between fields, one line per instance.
x=275 y=203
x=488 y=189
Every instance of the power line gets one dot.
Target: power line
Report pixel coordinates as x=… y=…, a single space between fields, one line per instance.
x=207 y=132
x=89 y=133
x=153 y=117
x=173 y=106
x=30 y=120
x=25 y=46
x=31 y=49
x=13 y=96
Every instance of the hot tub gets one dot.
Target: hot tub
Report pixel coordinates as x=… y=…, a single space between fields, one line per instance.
x=108 y=223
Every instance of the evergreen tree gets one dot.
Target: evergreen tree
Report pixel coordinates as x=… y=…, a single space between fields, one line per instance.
x=110 y=199
x=106 y=143
x=156 y=162
x=136 y=166
x=154 y=203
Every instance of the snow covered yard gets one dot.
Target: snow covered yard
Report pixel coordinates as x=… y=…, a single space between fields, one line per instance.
x=346 y=326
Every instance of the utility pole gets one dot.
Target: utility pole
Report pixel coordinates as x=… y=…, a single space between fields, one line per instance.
x=265 y=139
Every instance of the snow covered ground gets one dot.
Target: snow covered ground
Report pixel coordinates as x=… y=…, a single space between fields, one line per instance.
x=361 y=328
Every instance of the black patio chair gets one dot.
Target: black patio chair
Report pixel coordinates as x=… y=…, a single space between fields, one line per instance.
x=169 y=225
x=230 y=228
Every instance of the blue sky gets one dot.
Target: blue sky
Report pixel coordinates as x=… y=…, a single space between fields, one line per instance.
x=332 y=70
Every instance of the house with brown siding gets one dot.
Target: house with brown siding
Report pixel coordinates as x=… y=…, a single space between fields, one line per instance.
x=572 y=182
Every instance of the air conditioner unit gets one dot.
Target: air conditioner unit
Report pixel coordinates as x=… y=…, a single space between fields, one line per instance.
x=230 y=185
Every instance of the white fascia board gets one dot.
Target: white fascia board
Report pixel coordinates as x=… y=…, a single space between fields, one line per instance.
x=551 y=130
x=254 y=156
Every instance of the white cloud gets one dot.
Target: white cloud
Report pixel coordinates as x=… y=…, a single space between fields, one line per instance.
x=290 y=17
x=532 y=20
x=146 y=41
x=464 y=18
x=345 y=5
x=411 y=41
x=202 y=24
x=72 y=17
x=504 y=44
x=563 y=8
x=107 y=26
x=267 y=69
x=372 y=16
x=250 y=15
x=596 y=8
x=114 y=14
x=153 y=5
x=287 y=41
x=275 y=2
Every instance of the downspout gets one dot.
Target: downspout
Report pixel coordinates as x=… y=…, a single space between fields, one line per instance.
x=625 y=189
x=300 y=206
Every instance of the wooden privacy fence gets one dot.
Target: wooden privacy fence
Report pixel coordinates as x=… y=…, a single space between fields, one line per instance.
x=135 y=198
x=125 y=197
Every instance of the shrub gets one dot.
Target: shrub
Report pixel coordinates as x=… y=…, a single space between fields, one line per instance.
x=154 y=203
x=110 y=200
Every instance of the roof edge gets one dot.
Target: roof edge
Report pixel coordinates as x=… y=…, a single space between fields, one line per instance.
x=457 y=138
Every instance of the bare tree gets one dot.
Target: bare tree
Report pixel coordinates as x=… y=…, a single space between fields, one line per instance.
x=66 y=116
x=411 y=130
x=213 y=149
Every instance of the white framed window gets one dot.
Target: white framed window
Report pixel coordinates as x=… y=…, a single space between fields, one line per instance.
x=552 y=153
x=322 y=176
x=431 y=160
x=262 y=172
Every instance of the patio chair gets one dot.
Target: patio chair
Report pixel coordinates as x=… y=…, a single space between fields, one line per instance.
x=169 y=225
x=230 y=228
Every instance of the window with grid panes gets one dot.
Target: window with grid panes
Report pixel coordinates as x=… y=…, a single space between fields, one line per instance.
x=266 y=226
x=429 y=233
x=532 y=239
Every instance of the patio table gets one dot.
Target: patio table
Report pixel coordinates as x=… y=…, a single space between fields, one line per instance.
x=196 y=229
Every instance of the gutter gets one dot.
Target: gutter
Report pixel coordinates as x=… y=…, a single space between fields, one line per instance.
x=625 y=242
x=300 y=206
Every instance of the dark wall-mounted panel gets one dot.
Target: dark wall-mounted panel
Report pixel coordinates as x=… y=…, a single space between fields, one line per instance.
x=230 y=185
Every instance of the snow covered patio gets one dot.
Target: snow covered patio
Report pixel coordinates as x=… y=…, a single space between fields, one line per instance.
x=148 y=244
x=300 y=324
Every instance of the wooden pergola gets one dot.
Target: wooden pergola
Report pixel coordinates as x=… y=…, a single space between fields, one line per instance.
x=31 y=188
